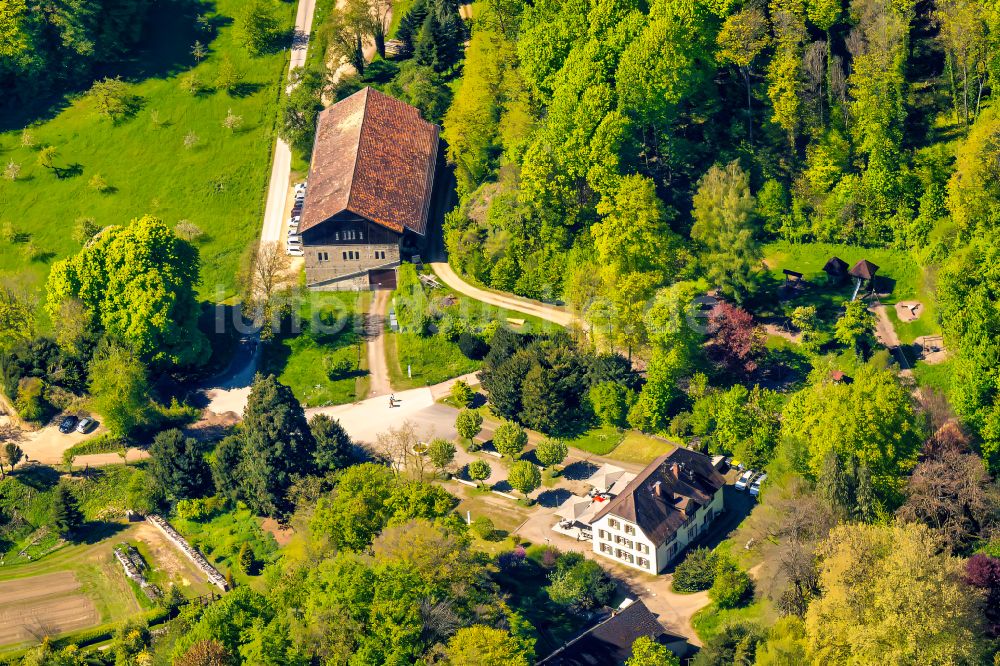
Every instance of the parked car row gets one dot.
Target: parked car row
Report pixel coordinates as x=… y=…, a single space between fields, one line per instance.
x=71 y=423
x=751 y=480
x=293 y=242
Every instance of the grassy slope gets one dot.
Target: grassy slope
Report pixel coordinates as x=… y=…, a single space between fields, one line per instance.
x=218 y=184
x=601 y=440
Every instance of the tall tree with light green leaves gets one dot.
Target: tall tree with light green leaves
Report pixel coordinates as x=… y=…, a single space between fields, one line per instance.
x=724 y=211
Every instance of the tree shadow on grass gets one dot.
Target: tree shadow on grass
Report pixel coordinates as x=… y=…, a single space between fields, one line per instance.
x=244 y=89
x=164 y=50
x=96 y=531
x=38 y=477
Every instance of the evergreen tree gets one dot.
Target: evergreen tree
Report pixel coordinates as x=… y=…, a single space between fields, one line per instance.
x=66 y=515
x=178 y=465
x=276 y=446
x=333 y=444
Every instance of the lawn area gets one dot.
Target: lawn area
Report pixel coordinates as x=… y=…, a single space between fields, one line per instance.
x=217 y=182
x=599 y=441
x=432 y=360
x=330 y=323
x=710 y=620
x=639 y=448
x=899 y=274
x=938 y=377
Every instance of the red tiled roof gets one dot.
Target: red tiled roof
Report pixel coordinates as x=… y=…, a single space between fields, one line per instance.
x=374 y=156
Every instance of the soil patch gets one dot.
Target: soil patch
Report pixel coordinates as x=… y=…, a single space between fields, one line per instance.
x=281 y=533
x=43 y=606
x=908 y=311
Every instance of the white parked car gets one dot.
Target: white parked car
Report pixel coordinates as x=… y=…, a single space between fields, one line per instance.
x=295 y=252
x=755 y=486
x=300 y=187
x=293 y=232
x=744 y=480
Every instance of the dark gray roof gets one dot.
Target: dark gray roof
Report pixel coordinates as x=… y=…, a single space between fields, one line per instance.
x=835 y=266
x=662 y=497
x=610 y=642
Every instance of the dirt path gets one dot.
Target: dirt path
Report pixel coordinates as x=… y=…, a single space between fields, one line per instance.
x=374 y=320
x=886 y=334
x=552 y=313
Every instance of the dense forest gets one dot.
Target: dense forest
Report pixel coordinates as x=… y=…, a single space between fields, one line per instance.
x=610 y=153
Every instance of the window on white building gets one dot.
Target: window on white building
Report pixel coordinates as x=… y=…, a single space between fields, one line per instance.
x=642 y=562
x=629 y=529
x=614 y=524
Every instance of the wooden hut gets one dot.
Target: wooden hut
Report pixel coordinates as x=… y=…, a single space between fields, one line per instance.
x=836 y=269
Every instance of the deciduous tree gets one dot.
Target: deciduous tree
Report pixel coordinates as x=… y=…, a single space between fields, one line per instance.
x=878 y=578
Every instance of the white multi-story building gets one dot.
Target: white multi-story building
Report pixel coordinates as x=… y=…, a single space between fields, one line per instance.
x=663 y=509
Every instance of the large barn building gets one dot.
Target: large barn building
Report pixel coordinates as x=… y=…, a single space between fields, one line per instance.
x=369 y=195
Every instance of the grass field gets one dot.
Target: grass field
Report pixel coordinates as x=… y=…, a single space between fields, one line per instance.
x=639 y=448
x=217 y=183
x=432 y=360
x=937 y=377
x=329 y=333
x=600 y=441
x=710 y=620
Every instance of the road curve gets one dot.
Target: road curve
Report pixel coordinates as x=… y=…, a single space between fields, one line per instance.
x=551 y=313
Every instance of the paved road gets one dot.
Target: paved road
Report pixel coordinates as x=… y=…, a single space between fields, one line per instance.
x=552 y=313
x=281 y=166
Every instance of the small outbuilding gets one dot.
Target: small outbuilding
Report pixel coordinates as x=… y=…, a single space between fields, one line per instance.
x=864 y=270
x=836 y=269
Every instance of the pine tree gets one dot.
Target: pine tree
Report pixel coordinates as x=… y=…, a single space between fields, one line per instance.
x=866 y=505
x=245 y=560
x=836 y=486
x=66 y=516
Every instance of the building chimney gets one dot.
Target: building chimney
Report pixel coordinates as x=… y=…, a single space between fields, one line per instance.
x=675 y=470
x=658 y=489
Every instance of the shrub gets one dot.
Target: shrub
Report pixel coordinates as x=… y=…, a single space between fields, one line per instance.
x=483 y=528
x=85 y=228
x=339 y=368
x=199 y=509
x=462 y=394
x=452 y=327
x=509 y=439
x=472 y=346
x=732 y=586
x=611 y=402
x=30 y=404
x=696 y=572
